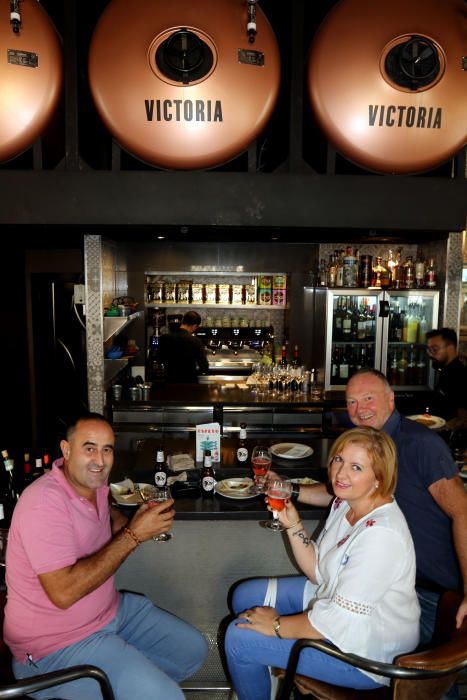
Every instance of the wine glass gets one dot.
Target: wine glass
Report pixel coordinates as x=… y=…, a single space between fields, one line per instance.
x=277 y=492
x=261 y=459
x=159 y=494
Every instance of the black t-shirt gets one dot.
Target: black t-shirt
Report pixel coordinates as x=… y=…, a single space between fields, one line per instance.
x=183 y=356
x=451 y=390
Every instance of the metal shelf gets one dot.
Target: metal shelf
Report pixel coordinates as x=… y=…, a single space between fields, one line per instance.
x=244 y=307
x=113 y=325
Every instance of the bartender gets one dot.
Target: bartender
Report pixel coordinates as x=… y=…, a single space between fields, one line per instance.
x=450 y=400
x=182 y=353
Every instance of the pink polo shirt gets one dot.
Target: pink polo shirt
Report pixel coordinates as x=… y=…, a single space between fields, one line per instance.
x=53 y=527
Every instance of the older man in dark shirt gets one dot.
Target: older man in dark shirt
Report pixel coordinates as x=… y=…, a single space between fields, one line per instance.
x=182 y=353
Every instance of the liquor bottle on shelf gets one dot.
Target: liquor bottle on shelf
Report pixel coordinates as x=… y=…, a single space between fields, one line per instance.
x=335 y=364
x=396 y=325
x=338 y=316
x=412 y=325
x=350 y=269
x=385 y=275
x=207 y=476
x=283 y=362
x=9 y=465
x=361 y=324
x=409 y=273
x=365 y=270
x=404 y=321
x=398 y=271
x=344 y=369
x=355 y=317
x=38 y=470
x=27 y=473
x=419 y=271
x=402 y=369
x=46 y=461
x=412 y=366
x=393 y=375
x=391 y=264
x=332 y=271
x=421 y=368
x=378 y=269
x=322 y=274
x=347 y=321
x=423 y=327
x=340 y=269
x=295 y=360
x=430 y=274
x=160 y=469
x=242 y=449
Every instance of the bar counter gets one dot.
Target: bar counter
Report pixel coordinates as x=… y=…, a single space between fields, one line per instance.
x=191 y=505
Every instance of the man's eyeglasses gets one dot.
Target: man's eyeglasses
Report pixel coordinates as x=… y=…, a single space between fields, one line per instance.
x=433 y=349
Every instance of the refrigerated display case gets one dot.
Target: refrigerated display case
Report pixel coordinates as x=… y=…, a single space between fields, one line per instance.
x=383 y=329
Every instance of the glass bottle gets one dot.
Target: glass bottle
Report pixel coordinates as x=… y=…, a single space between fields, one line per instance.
x=350 y=268
x=242 y=449
x=419 y=271
x=207 y=475
x=338 y=315
x=377 y=271
x=392 y=369
x=409 y=273
x=385 y=275
x=391 y=265
x=412 y=325
x=430 y=274
x=332 y=272
x=402 y=369
x=160 y=469
x=347 y=321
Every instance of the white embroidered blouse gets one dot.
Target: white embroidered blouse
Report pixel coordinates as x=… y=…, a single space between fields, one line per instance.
x=365 y=601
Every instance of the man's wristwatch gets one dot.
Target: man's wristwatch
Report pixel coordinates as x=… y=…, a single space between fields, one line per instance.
x=295 y=493
x=277 y=626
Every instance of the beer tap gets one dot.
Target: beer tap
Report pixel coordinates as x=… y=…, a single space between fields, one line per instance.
x=15 y=16
x=251 y=24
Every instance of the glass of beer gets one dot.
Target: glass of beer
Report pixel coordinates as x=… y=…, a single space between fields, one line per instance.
x=159 y=494
x=261 y=459
x=278 y=491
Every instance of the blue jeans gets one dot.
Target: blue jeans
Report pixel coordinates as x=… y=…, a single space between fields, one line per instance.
x=429 y=601
x=249 y=653
x=144 y=651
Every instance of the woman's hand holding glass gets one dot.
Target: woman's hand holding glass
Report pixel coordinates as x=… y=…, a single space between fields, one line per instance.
x=278 y=493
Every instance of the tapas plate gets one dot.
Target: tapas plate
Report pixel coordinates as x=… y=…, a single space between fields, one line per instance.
x=291 y=450
x=124 y=493
x=305 y=480
x=429 y=421
x=238 y=488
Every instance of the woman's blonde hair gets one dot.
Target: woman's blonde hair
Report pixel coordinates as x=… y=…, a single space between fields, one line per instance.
x=381 y=450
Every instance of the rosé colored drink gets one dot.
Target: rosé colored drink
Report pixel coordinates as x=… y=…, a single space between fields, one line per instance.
x=277 y=500
x=261 y=466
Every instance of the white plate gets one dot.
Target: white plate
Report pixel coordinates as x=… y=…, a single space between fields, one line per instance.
x=423 y=419
x=223 y=488
x=291 y=450
x=127 y=499
x=463 y=474
x=305 y=480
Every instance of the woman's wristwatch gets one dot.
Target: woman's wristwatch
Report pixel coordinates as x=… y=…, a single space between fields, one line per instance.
x=277 y=626
x=295 y=493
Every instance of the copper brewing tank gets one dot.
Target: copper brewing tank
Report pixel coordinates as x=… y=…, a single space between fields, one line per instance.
x=174 y=82
x=387 y=83
x=31 y=69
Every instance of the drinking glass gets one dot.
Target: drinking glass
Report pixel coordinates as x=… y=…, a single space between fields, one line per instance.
x=261 y=459
x=277 y=492
x=159 y=494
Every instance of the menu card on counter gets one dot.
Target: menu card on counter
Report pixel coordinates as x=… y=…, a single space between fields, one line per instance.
x=208 y=437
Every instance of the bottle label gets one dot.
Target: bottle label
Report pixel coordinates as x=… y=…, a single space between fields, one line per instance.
x=160 y=478
x=242 y=454
x=207 y=483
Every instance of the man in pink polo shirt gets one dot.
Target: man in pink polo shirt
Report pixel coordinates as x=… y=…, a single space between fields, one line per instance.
x=64 y=547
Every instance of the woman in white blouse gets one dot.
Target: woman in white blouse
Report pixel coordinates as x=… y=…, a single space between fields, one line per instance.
x=359 y=586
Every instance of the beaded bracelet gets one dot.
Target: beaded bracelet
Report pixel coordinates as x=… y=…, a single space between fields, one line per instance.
x=297 y=522
x=133 y=535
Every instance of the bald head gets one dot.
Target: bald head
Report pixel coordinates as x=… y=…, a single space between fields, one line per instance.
x=370 y=399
